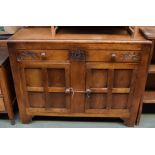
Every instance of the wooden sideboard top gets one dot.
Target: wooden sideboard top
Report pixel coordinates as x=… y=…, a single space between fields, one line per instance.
x=68 y=33
x=148 y=32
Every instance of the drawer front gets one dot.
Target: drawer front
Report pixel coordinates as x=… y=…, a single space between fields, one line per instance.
x=113 y=56
x=58 y=55
x=2 y=106
x=88 y=55
x=0 y=91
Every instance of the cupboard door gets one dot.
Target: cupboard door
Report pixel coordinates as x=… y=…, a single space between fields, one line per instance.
x=46 y=86
x=109 y=86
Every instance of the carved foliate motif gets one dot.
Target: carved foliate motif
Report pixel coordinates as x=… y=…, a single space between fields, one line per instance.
x=134 y=56
x=26 y=54
x=77 y=55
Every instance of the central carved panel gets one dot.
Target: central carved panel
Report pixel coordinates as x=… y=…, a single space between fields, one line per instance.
x=77 y=55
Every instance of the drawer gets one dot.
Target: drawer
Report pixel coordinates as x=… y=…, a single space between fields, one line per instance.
x=2 y=106
x=0 y=91
x=113 y=56
x=58 y=55
x=90 y=55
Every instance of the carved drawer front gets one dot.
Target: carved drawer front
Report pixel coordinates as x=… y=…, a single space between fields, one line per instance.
x=2 y=107
x=43 y=55
x=47 y=87
x=113 y=56
x=80 y=54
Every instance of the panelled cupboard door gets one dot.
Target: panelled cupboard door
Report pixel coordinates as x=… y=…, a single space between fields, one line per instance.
x=109 y=86
x=46 y=86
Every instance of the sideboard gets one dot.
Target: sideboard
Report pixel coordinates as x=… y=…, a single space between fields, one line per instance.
x=79 y=72
x=7 y=93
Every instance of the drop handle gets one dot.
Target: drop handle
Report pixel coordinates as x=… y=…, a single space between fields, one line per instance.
x=113 y=56
x=88 y=92
x=67 y=90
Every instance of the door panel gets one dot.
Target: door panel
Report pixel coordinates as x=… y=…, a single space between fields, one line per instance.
x=99 y=78
x=56 y=100
x=109 y=86
x=98 y=101
x=45 y=86
x=34 y=77
x=56 y=77
x=122 y=78
x=119 y=101
x=36 y=99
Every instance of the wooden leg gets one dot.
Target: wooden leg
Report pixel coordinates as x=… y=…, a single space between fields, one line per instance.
x=25 y=119
x=131 y=121
x=11 y=114
x=128 y=122
x=139 y=113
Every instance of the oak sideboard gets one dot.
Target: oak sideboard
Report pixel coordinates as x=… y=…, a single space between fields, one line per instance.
x=79 y=72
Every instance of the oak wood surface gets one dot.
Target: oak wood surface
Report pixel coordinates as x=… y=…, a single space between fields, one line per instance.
x=6 y=85
x=79 y=73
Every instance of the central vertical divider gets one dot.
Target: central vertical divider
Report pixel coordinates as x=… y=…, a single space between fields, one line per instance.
x=78 y=76
x=78 y=84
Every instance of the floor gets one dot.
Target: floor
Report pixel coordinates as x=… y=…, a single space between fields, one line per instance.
x=147 y=121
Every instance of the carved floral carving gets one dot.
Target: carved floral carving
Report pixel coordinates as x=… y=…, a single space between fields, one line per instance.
x=26 y=54
x=77 y=55
x=134 y=56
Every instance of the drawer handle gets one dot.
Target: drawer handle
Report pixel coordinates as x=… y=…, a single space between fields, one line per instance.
x=19 y=59
x=113 y=56
x=43 y=55
x=72 y=91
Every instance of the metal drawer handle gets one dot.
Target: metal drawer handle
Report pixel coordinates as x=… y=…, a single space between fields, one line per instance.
x=69 y=91
x=88 y=92
x=72 y=91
